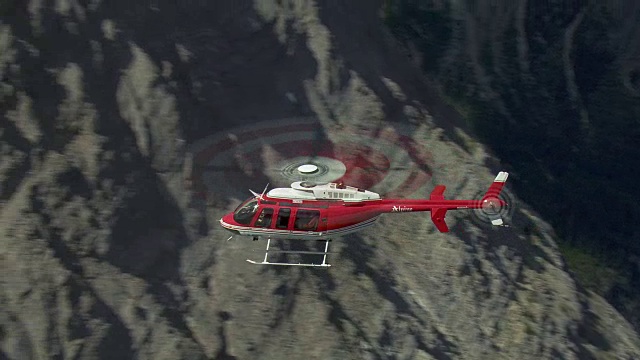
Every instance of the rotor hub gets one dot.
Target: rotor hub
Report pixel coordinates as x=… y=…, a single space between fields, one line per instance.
x=491 y=205
x=319 y=169
x=307 y=169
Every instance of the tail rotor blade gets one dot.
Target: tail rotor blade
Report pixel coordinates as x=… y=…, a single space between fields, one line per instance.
x=496 y=220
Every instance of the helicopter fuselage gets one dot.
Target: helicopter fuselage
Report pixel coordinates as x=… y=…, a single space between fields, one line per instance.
x=315 y=219
x=308 y=211
x=312 y=211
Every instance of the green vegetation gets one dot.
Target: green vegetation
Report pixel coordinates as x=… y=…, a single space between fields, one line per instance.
x=7 y=7
x=406 y=19
x=593 y=270
x=581 y=176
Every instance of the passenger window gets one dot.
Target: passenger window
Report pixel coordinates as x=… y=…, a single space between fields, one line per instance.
x=283 y=218
x=307 y=220
x=264 y=219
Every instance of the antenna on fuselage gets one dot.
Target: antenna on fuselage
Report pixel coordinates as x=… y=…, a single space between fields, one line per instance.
x=260 y=196
x=264 y=191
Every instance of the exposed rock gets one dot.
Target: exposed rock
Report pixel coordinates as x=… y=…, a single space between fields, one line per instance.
x=106 y=253
x=549 y=87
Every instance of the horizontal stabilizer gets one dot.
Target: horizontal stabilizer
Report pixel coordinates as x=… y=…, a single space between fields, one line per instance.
x=438 y=193
x=437 y=216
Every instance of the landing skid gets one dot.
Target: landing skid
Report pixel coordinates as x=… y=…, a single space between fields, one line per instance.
x=267 y=251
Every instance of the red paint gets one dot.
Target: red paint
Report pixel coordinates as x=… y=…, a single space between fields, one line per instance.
x=337 y=214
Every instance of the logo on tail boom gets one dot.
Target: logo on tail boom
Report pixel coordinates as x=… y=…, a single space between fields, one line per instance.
x=400 y=209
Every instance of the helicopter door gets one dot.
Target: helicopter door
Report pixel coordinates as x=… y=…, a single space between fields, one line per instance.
x=284 y=214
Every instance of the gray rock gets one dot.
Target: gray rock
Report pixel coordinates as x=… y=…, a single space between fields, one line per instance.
x=105 y=252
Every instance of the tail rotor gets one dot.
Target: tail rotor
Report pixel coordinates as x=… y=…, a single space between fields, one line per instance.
x=494 y=204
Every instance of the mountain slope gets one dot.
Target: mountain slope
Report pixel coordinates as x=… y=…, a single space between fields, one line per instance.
x=552 y=88
x=107 y=253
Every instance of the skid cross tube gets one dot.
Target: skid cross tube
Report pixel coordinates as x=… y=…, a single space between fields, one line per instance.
x=268 y=250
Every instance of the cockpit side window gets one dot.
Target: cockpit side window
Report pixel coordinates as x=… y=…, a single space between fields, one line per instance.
x=244 y=213
x=264 y=219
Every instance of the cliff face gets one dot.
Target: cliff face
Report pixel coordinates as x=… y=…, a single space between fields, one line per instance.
x=106 y=251
x=553 y=89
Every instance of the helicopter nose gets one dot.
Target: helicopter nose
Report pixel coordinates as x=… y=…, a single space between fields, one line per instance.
x=227 y=222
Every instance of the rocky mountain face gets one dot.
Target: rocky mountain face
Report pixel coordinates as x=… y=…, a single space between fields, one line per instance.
x=106 y=253
x=553 y=88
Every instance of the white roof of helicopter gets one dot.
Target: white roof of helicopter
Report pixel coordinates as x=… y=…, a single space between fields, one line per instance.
x=304 y=190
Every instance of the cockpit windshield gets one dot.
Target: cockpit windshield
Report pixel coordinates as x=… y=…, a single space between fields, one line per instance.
x=245 y=212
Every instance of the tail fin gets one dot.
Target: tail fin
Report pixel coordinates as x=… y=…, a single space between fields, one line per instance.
x=498 y=183
x=491 y=203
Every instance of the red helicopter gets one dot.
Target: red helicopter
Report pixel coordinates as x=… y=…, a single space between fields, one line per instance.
x=311 y=211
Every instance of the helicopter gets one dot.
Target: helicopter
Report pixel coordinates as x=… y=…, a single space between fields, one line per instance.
x=321 y=211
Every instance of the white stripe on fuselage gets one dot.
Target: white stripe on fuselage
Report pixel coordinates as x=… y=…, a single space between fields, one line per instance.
x=297 y=234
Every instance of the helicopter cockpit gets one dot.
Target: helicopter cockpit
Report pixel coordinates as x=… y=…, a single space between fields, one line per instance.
x=245 y=211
